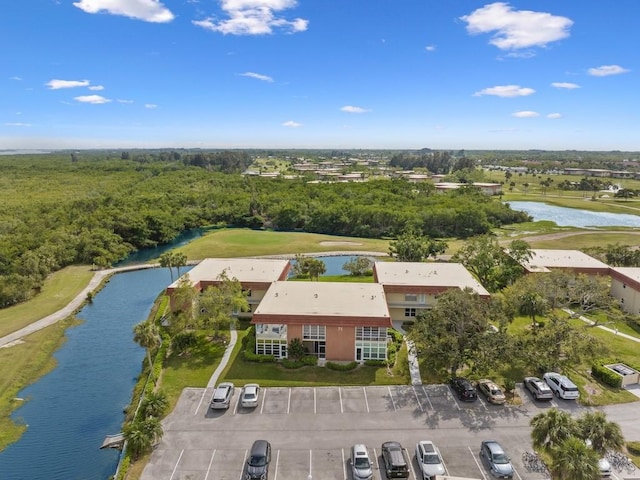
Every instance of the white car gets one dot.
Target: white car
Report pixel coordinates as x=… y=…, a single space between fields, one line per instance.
x=429 y=460
x=250 y=394
x=562 y=386
x=222 y=396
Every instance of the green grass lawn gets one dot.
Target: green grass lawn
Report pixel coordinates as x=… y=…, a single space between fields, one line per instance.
x=59 y=289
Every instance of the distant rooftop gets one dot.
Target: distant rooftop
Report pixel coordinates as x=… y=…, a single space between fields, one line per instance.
x=632 y=273
x=259 y=270
x=543 y=260
x=324 y=299
x=424 y=274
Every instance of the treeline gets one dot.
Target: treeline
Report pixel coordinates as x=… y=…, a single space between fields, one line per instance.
x=58 y=212
x=436 y=162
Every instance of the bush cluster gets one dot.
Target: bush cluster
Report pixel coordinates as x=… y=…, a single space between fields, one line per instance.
x=341 y=367
x=604 y=374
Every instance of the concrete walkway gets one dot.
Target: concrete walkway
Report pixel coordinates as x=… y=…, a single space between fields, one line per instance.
x=602 y=327
x=225 y=359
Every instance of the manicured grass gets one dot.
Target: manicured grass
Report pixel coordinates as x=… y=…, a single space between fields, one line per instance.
x=20 y=366
x=587 y=240
x=59 y=289
x=243 y=242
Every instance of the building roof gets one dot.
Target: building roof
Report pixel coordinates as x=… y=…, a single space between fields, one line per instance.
x=324 y=299
x=246 y=270
x=449 y=275
x=543 y=260
x=632 y=273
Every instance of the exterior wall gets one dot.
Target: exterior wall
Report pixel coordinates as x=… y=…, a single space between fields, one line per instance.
x=294 y=331
x=625 y=292
x=398 y=314
x=340 y=343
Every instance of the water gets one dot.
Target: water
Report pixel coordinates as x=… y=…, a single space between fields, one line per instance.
x=334 y=263
x=147 y=254
x=573 y=217
x=71 y=410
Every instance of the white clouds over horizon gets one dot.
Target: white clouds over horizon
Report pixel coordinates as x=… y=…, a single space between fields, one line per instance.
x=56 y=84
x=515 y=29
x=291 y=124
x=257 y=76
x=606 y=70
x=565 y=85
x=525 y=114
x=507 y=91
x=254 y=17
x=354 y=109
x=554 y=115
x=147 y=10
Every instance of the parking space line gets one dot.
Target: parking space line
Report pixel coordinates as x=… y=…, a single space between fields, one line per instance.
x=453 y=397
x=418 y=399
x=340 y=394
x=344 y=465
x=210 y=463
x=410 y=463
x=175 y=467
x=366 y=401
x=200 y=403
x=393 y=402
x=482 y=402
x=289 y=402
x=314 y=400
x=477 y=464
x=375 y=455
x=517 y=474
x=311 y=463
x=275 y=477
x=426 y=395
x=235 y=409
x=264 y=400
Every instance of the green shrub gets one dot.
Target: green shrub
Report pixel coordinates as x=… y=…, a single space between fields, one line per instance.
x=605 y=375
x=375 y=363
x=342 y=367
x=633 y=448
x=254 y=357
x=310 y=360
x=291 y=364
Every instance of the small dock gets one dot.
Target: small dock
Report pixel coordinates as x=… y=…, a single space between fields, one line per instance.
x=113 y=441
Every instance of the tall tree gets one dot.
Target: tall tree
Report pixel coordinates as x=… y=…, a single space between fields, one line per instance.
x=603 y=434
x=413 y=247
x=217 y=303
x=572 y=459
x=146 y=334
x=549 y=429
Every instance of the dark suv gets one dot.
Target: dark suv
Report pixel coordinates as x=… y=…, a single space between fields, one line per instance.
x=258 y=463
x=395 y=461
x=464 y=389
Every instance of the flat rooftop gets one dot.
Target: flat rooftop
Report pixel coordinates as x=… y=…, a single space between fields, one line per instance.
x=336 y=299
x=423 y=274
x=632 y=273
x=543 y=260
x=259 y=270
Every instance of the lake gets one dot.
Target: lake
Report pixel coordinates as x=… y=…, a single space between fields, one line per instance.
x=573 y=217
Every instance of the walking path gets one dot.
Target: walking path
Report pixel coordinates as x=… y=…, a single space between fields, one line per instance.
x=603 y=327
x=225 y=359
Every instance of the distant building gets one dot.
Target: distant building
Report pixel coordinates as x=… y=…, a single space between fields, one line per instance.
x=625 y=286
x=569 y=260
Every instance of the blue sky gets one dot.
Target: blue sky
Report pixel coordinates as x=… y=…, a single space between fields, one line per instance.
x=442 y=74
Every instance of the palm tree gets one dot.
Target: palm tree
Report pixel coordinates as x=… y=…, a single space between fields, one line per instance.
x=146 y=334
x=155 y=404
x=572 y=459
x=604 y=435
x=138 y=441
x=551 y=428
x=152 y=427
x=532 y=304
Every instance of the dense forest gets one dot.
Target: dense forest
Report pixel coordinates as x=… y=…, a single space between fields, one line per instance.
x=66 y=209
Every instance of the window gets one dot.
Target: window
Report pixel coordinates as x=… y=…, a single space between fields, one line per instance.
x=247 y=293
x=371 y=333
x=372 y=350
x=409 y=312
x=314 y=332
x=410 y=297
x=277 y=348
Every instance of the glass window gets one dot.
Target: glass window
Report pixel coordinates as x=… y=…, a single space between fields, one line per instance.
x=411 y=298
x=371 y=333
x=409 y=312
x=314 y=332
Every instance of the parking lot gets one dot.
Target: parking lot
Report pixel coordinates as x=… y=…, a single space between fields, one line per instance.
x=312 y=429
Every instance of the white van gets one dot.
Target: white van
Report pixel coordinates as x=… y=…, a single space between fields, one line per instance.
x=562 y=386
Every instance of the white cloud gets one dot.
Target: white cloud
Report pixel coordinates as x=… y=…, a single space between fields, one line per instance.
x=150 y=106
x=17 y=124
x=15 y=78
x=516 y=29
x=606 y=70
x=254 y=17
x=56 y=84
x=121 y=100
x=554 y=115
x=95 y=99
x=567 y=85
x=506 y=91
x=264 y=78
x=96 y=88
x=352 y=109
x=291 y=124
x=146 y=10
x=430 y=48
x=526 y=114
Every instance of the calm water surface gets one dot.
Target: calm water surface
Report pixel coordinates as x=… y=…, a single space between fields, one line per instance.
x=573 y=217
x=74 y=407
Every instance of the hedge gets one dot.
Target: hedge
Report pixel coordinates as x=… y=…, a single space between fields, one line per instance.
x=341 y=367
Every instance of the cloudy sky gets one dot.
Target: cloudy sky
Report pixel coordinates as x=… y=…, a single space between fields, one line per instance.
x=443 y=74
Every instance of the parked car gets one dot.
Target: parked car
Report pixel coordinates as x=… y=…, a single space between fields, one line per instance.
x=492 y=392
x=360 y=463
x=496 y=460
x=250 y=394
x=395 y=461
x=464 y=389
x=538 y=388
x=603 y=463
x=222 y=395
x=429 y=460
x=562 y=386
x=258 y=462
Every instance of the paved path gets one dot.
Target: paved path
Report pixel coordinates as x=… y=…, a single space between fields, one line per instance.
x=603 y=327
x=72 y=306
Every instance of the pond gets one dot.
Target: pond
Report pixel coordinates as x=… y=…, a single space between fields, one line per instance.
x=334 y=263
x=573 y=217
x=70 y=410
